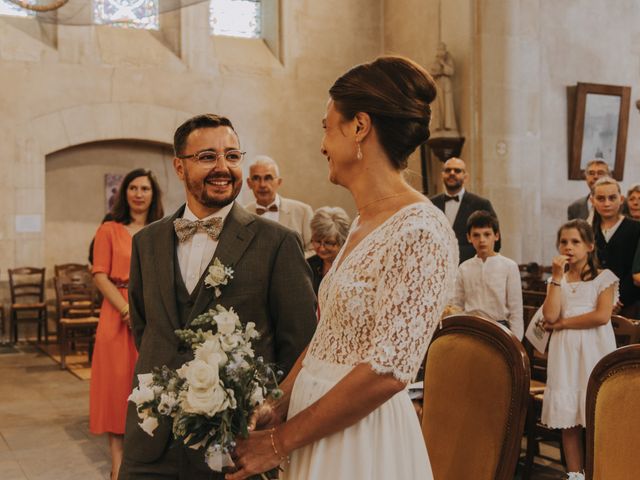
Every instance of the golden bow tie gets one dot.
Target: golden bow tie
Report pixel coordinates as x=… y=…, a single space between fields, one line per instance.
x=185 y=229
x=262 y=210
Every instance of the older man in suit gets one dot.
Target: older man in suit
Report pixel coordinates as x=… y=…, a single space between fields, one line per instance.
x=264 y=180
x=582 y=207
x=271 y=283
x=458 y=204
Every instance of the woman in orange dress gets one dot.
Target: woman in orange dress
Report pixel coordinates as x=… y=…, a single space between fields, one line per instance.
x=138 y=203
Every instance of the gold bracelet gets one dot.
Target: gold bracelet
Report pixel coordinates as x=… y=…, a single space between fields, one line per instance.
x=124 y=311
x=283 y=458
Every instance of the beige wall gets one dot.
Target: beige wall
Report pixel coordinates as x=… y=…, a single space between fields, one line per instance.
x=75 y=191
x=514 y=61
x=91 y=84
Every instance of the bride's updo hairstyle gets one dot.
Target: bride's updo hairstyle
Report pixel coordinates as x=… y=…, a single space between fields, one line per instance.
x=396 y=93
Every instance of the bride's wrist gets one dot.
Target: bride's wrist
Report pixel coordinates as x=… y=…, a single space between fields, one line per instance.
x=278 y=445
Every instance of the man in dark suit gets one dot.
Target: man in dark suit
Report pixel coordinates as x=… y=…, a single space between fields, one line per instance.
x=582 y=207
x=271 y=283
x=458 y=204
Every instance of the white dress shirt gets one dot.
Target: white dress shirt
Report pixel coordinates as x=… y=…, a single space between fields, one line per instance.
x=275 y=216
x=451 y=207
x=492 y=290
x=608 y=233
x=195 y=255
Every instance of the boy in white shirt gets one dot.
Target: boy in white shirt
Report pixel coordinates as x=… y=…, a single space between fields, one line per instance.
x=488 y=285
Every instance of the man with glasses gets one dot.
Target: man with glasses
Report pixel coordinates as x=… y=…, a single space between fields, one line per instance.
x=271 y=283
x=264 y=181
x=582 y=207
x=458 y=204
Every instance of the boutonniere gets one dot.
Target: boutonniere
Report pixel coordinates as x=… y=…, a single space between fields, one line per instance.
x=218 y=275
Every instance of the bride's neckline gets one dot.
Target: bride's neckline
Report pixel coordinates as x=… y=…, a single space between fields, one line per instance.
x=340 y=259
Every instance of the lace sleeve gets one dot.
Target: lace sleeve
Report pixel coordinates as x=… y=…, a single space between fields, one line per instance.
x=416 y=278
x=605 y=280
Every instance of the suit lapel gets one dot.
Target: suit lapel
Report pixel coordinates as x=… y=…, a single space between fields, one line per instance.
x=164 y=247
x=463 y=213
x=285 y=213
x=438 y=201
x=233 y=241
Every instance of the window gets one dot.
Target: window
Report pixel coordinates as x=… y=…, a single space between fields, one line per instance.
x=235 y=18
x=11 y=9
x=127 y=13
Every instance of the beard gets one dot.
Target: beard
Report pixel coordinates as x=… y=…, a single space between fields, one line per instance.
x=453 y=185
x=199 y=189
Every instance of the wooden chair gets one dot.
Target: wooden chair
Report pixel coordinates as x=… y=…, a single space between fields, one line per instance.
x=613 y=416
x=626 y=331
x=77 y=319
x=69 y=267
x=26 y=285
x=475 y=399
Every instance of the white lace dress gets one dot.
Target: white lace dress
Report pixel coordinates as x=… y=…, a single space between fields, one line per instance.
x=574 y=353
x=379 y=306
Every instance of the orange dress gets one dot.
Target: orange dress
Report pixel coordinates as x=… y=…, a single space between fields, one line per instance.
x=115 y=354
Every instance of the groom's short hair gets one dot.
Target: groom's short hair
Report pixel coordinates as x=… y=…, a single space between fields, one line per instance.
x=206 y=120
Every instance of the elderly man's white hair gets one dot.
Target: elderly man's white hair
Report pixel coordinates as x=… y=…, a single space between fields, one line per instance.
x=266 y=162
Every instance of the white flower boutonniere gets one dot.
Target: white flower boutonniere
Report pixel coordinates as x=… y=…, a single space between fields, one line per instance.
x=218 y=275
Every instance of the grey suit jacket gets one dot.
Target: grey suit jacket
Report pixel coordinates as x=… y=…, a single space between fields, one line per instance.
x=469 y=203
x=271 y=286
x=579 y=209
x=294 y=215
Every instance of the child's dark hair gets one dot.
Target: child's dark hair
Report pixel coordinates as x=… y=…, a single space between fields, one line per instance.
x=482 y=219
x=590 y=270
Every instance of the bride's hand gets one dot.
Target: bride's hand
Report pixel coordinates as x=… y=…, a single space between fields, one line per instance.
x=264 y=417
x=254 y=456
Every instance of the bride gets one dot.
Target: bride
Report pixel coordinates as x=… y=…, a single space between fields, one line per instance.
x=348 y=415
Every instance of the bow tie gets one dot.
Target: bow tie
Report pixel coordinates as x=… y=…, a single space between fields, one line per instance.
x=185 y=229
x=455 y=198
x=262 y=210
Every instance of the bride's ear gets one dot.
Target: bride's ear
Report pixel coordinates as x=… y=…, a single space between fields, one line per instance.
x=363 y=125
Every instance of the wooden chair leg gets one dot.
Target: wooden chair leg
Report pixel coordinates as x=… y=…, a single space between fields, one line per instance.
x=46 y=327
x=63 y=348
x=14 y=326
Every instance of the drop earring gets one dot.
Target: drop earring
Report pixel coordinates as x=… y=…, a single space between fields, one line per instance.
x=359 y=152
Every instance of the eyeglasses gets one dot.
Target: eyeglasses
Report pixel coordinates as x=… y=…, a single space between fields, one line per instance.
x=324 y=243
x=209 y=157
x=454 y=170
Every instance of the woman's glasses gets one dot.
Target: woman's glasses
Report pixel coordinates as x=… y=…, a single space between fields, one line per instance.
x=324 y=243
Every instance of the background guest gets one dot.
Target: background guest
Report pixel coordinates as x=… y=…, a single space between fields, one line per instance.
x=458 y=204
x=633 y=202
x=582 y=207
x=488 y=285
x=264 y=181
x=138 y=203
x=329 y=230
x=617 y=240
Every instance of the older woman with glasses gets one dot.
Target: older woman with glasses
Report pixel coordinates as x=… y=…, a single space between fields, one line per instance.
x=329 y=229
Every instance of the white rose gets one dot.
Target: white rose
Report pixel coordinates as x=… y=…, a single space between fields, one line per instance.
x=230 y=342
x=149 y=424
x=205 y=401
x=257 y=396
x=211 y=353
x=226 y=321
x=145 y=379
x=201 y=375
x=217 y=274
x=141 y=394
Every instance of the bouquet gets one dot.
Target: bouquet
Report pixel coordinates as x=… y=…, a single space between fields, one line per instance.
x=210 y=398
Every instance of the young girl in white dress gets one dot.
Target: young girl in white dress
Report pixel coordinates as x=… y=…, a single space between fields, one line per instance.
x=348 y=414
x=578 y=311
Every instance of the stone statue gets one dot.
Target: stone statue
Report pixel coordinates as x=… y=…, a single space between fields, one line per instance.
x=443 y=117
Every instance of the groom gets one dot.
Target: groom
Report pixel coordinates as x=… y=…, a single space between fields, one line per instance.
x=271 y=283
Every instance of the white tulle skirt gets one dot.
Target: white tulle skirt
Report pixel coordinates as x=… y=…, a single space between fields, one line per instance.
x=386 y=444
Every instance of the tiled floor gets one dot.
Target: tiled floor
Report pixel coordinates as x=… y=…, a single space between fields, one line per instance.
x=44 y=432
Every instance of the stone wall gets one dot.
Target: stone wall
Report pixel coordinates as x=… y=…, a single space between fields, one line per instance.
x=72 y=85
